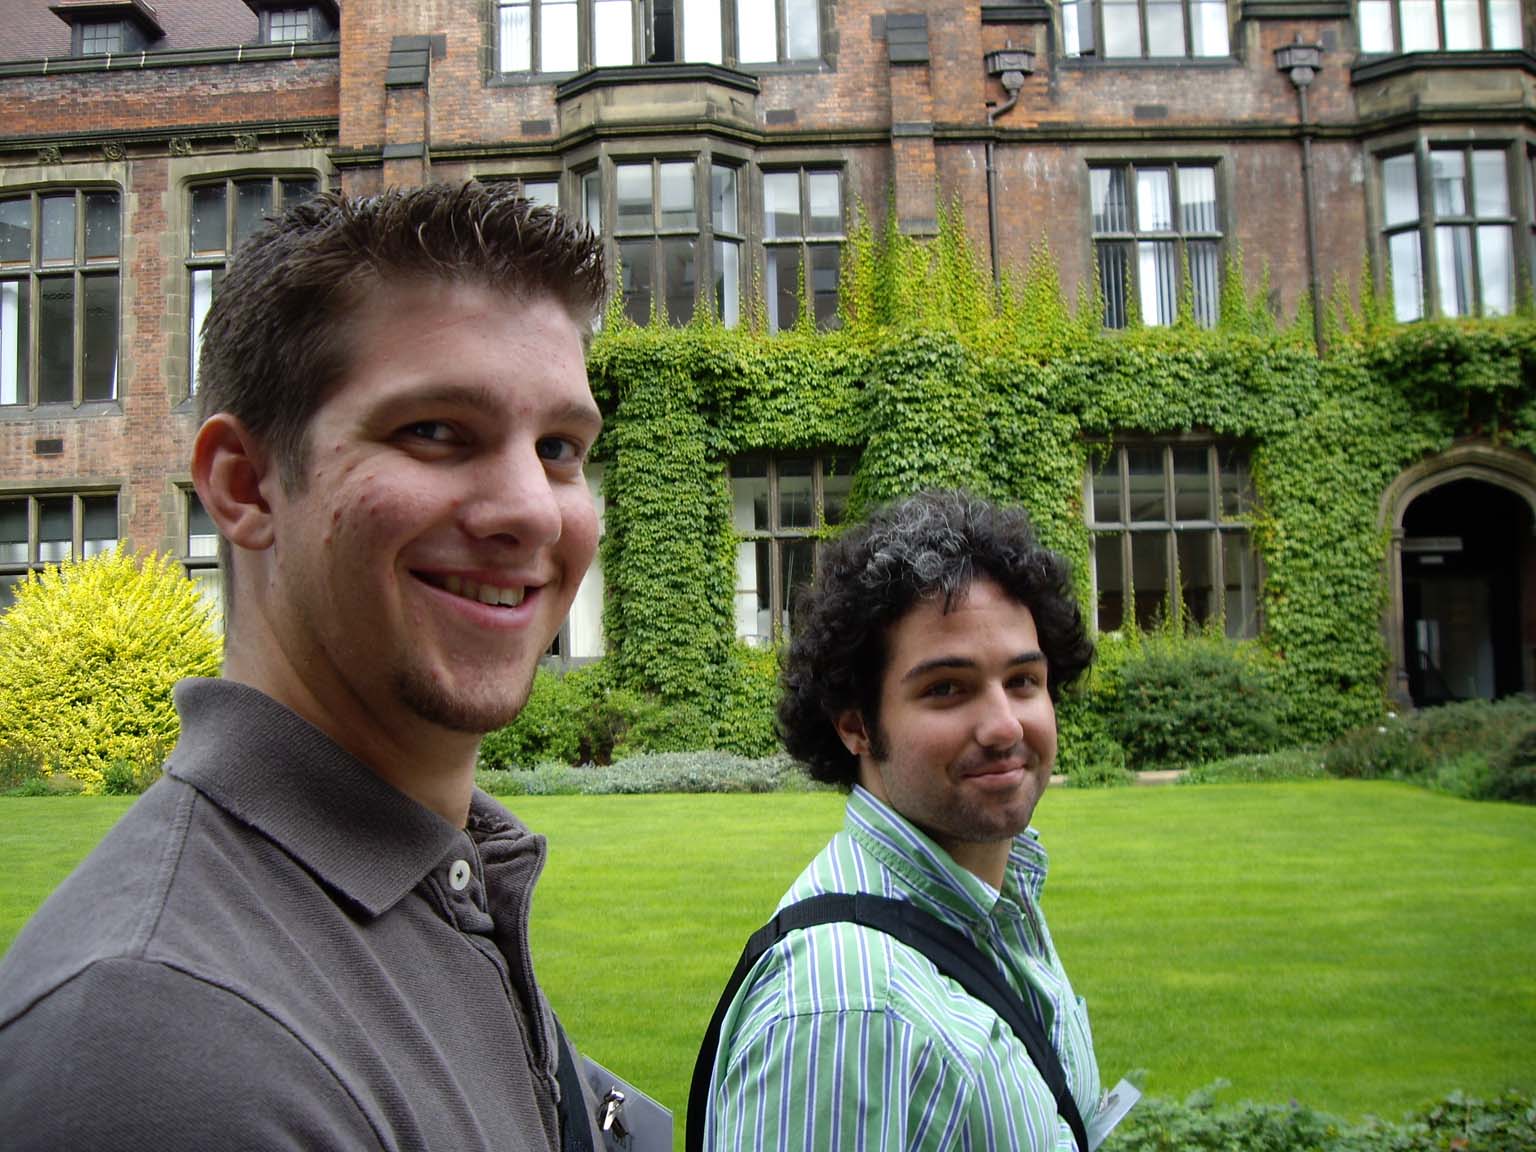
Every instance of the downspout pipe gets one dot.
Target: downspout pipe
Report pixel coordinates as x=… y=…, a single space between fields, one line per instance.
x=1010 y=66
x=1302 y=62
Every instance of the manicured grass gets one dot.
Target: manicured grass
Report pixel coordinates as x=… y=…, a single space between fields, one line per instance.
x=1360 y=947
x=41 y=840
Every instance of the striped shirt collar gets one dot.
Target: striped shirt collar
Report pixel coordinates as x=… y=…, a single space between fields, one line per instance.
x=931 y=871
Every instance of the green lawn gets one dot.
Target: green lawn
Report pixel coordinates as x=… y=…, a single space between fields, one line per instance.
x=1358 y=947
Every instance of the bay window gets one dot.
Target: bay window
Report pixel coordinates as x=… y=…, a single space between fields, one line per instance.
x=1439 y=25
x=1448 y=231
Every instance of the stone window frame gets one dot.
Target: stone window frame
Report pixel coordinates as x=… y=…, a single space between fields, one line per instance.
x=768 y=536
x=81 y=268
x=1114 y=539
x=1206 y=313
x=32 y=551
x=214 y=261
x=1493 y=19
x=1085 y=40
x=1427 y=220
x=808 y=241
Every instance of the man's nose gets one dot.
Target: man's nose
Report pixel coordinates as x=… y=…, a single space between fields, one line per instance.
x=512 y=496
x=997 y=722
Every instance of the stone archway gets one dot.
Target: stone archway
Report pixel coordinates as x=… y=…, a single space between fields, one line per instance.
x=1460 y=620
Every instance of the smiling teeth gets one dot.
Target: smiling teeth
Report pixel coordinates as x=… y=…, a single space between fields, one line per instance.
x=484 y=593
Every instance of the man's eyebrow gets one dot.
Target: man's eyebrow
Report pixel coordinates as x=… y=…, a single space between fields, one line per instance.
x=962 y=663
x=483 y=397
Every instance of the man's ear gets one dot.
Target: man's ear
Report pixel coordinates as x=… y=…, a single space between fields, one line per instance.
x=850 y=730
x=229 y=468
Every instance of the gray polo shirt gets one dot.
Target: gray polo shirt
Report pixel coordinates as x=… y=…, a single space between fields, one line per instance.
x=275 y=949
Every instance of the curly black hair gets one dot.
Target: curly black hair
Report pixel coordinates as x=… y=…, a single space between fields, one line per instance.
x=926 y=547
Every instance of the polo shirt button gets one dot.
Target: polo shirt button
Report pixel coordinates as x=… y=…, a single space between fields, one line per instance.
x=458 y=875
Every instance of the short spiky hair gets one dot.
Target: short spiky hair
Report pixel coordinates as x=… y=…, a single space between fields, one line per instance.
x=275 y=341
x=930 y=546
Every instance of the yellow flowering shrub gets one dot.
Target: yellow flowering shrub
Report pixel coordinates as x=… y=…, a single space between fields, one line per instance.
x=89 y=653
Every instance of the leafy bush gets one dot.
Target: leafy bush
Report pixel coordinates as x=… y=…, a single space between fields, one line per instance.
x=661 y=727
x=1477 y=749
x=88 y=656
x=1512 y=773
x=1304 y=763
x=18 y=768
x=1506 y=1123
x=548 y=728
x=130 y=777
x=664 y=772
x=1386 y=750
x=1083 y=712
x=748 y=726
x=1101 y=773
x=1188 y=699
x=576 y=717
x=584 y=717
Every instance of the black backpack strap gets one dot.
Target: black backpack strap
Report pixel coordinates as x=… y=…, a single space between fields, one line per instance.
x=575 y=1126
x=951 y=951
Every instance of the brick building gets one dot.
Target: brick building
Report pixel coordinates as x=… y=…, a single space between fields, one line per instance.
x=719 y=144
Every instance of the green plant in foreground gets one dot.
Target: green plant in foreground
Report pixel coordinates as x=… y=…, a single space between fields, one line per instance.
x=1504 y=1123
x=1476 y=749
x=89 y=653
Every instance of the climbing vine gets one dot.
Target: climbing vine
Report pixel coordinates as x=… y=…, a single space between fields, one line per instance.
x=938 y=377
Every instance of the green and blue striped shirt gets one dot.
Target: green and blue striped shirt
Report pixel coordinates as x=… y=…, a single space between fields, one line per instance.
x=844 y=1038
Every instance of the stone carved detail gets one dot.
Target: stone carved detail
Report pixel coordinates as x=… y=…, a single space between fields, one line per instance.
x=50 y=154
x=245 y=142
x=114 y=150
x=181 y=146
x=314 y=138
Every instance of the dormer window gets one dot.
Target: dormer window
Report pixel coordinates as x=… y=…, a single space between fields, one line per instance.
x=289 y=23
x=101 y=38
x=108 y=27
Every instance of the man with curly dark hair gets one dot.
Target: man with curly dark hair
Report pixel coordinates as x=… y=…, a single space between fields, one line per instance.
x=926 y=663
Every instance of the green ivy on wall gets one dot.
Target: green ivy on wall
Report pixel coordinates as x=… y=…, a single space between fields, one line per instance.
x=937 y=377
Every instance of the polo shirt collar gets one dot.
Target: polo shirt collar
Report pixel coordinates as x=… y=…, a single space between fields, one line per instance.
x=932 y=871
x=273 y=771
